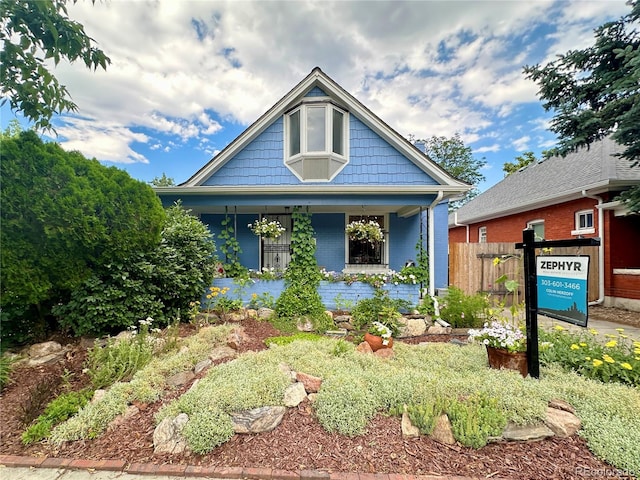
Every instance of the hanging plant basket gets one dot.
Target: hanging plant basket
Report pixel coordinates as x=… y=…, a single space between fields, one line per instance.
x=361 y=230
x=266 y=228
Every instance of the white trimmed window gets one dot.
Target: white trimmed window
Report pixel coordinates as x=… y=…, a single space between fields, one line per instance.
x=363 y=256
x=538 y=229
x=316 y=141
x=482 y=235
x=584 y=223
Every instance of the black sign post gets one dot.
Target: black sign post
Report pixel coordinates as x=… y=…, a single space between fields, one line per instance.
x=529 y=246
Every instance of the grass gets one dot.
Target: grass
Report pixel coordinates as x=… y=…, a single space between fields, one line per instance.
x=356 y=387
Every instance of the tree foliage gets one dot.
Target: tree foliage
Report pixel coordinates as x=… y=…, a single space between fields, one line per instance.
x=33 y=32
x=162 y=181
x=521 y=161
x=62 y=217
x=595 y=92
x=457 y=159
x=160 y=283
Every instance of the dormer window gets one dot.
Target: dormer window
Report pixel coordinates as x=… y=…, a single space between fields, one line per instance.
x=316 y=140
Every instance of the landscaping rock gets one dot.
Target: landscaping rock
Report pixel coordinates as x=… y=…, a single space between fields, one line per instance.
x=517 y=433
x=329 y=314
x=561 y=405
x=180 y=378
x=234 y=316
x=304 y=325
x=439 y=330
x=409 y=430
x=200 y=366
x=364 y=347
x=262 y=419
x=311 y=384
x=98 y=395
x=286 y=369
x=443 y=432
x=413 y=327
x=384 y=353
x=344 y=321
x=167 y=437
x=46 y=352
x=236 y=338
x=220 y=353
x=562 y=423
x=251 y=313
x=264 y=313
x=294 y=394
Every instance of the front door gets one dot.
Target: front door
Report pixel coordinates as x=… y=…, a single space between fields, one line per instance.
x=276 y=252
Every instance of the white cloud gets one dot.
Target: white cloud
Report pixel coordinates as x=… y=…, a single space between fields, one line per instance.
x=489 y=148
x=426 y=68
x=522 y=143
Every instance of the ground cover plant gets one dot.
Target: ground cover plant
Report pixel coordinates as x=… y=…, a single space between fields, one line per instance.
x=358 y=387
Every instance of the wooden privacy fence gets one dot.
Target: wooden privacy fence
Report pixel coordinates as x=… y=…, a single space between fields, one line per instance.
x=472 y=269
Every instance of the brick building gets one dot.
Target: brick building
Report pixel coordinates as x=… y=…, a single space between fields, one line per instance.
x=564 y=198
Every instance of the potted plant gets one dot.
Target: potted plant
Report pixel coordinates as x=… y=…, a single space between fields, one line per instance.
x=505 y=343
x=378 y=336
x=361 y=230
x=267 y=228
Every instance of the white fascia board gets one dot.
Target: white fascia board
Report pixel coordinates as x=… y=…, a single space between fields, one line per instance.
x=184 y=190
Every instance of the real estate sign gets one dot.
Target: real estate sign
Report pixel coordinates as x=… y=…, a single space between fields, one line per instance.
x=562 y=287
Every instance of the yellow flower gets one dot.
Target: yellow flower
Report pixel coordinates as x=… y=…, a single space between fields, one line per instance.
x=575 y=347
x=624 y=336
x=610 y=335
x=587 y=358
x=611 y=344
x=636 y=351
x=583 y=344
x=596 y=362
x=209 y=296
x=636 y=344
x=496 y=261
x=620 y=330
x=559 y=328
x=254 y=295
x=593 y=331
x=608 y=359
x=626 y=365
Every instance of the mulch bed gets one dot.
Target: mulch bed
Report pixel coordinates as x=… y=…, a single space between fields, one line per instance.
x=299 y=442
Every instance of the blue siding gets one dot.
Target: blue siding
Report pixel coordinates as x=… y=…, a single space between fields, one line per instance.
x=330 y=240
x=249 y=243
x=316 y=92
x=403 y=236
x=372 y=162
x=328 y=291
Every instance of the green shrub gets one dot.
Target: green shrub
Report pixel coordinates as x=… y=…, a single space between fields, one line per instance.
x=475 y=419
x=6 y=365
x=209 y=429
x=424 y=415
x=608 y=358
x=285 y=340
x=462 y=310
x=119 y=360
x=58 y=410
x=379 y=308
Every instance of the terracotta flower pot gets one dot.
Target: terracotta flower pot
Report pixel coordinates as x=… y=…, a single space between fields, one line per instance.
x=500 y=358
x=375 y=342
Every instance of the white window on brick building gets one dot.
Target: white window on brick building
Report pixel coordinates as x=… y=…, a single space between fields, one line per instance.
x=538 y=229
x=584 y=223
x=482 y=235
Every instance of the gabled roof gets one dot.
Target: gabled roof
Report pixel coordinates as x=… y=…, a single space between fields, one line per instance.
x=448 y=185
x=555 y=180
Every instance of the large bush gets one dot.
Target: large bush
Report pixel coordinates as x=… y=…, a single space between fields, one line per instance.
x=63 y=217
x=159 y=284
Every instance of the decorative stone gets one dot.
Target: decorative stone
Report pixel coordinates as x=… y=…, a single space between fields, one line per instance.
x=251 y=313
x=364 y=347
x=180 y=378
x=438 y=330
x=200 y=366
x=262 y=419
x=561 y=422
x=44 y=349
x=286 y=369
x=312 y=397
x=329 y=314
x=561 y=405
x=264 y=313
x=384 y=353
x=98 y=395
x=409 y=430
x=415 y=327
x=518 y=433
x=443 y=432
x=304 y=324
x=294 y=394
x=234 y=316
x=167 y=437
x=236 y=338
x=220 y=353
x=311 y=384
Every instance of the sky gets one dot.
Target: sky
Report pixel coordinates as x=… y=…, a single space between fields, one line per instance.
x=187 y=77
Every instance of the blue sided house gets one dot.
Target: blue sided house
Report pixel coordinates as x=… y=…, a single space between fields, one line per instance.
x=320 y=150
